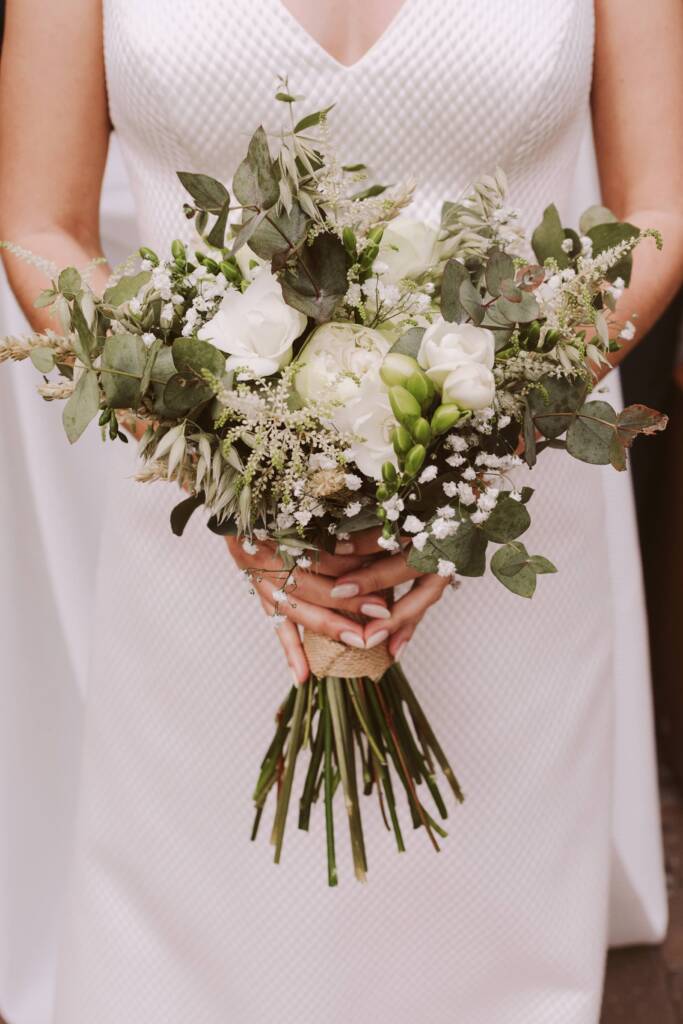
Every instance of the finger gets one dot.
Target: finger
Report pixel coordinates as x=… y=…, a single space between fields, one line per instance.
x=314 y=618
x=335 y=565
x=316 y=589
x=288 y=635
x=407 y=612
x=379 y=575
x=364 y=542
x=399 y=641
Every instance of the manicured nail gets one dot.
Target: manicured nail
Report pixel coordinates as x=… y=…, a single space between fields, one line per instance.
x=399 y=650
x=377 y=638
x=345 y=590
x=344 y=547
x=375 y=611
x=352 y=639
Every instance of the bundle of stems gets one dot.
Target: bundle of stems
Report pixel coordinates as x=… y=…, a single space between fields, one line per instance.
x=360 y=736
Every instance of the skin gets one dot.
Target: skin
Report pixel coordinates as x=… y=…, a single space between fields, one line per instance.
x=54 y=131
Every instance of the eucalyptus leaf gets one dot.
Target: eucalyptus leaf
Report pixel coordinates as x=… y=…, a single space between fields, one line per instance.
x=500 y=267
x=529 y=438
x=84 y=341
x=43 y=359
x=605 y=236
x=521 y=312
x=470 y=299
x=508 y=520
x=409 y=342
x=126 y=289
x=556 y=395
x=256 y=180
x=208 y=193
x=590 y=436
x=83 y=405
x=469 y=550
x=593 y=216
x=45 y=299
x=318 y=282
x=152 y=353
x=510 y=565
x=193 y=355
x=279 y=233
x=69 y=283
x=123 y=364
x=454 y=274
x=548 y=237
x=184 y=391
x=216 y=236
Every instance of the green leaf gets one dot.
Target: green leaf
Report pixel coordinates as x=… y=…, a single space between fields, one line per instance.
x=70 y=283
x=593 y=216
x=605 y=236
x=181 y=513
x=409 y=343
x=208 y=193
x=556 y=395
x=193 y=355
x=216 y=236
x=529 y=438
x=541 y=565
x=454 y=274
x=590 y=436
x=351 y=168
x=470 y=299
x=522 y=311
x=279 y=234
x=184 y=391
x=46 y=298
x=370 y=193
x=318 y=283
x=123 y=364
x=311 y=119
x=152 y=353
x=82 y=406
x=84 y=342
x=510 y=565
x=126 y=289
x=548 y=237
x=226 y=527
x=164 y=369
x=500 y=267
x=508 y=520
x=43 y=359
x=285 y=97
x=469 y=550
x=256 y=181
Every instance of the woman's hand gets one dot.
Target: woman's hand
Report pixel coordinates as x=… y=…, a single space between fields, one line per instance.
x=405 y=615
x=310 y=598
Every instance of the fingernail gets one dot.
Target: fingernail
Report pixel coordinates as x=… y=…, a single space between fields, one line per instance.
x=351 y=639
x=377 y=638
x=399 y=650
x=344 y=547
x=375 y=611
x=345 y=590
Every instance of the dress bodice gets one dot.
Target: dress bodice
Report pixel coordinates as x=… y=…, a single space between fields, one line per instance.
x=449 y=91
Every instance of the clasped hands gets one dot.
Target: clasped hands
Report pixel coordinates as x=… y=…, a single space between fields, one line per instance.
x=355 y=580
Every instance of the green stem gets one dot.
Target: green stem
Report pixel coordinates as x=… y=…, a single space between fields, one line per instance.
x=290 y=764
x=340 y=729
x=327 y=774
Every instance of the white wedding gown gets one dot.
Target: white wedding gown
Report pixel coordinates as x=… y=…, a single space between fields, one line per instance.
x=174 y=916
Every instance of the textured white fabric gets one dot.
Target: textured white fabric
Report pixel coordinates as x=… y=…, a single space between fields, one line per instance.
x=174 y=916
x=50 y=527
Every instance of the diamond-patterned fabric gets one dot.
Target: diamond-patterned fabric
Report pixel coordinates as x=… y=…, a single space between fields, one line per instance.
x=175 y=917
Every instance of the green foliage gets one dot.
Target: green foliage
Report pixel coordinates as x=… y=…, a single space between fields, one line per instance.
x=454 y=275
x=508 y=520
x=256 y=179
x=69 y=283
x=82 y=406
x=318 y=282
x=600 y=436
x=43 y=359
x=548 y=237
x=593 y=216
x=466 y=548
x=126 y=289
x=208 y=194
x=409 y=342
x=500 y=268
x=84 y=341
x=554 y=397
x=123 y=364
x=521 y=309
x=517 y=570
x=279 y=234
x=311 y=120
x=182 y=512
x=605 y=236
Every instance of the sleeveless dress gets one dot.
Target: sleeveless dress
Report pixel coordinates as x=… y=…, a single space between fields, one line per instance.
x=174 y=916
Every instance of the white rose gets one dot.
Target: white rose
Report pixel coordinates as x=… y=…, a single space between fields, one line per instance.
x=340 y=365
x=406 y=249
x=445 y=346
x=335 y=360
x=256 y=327
x=470 y=385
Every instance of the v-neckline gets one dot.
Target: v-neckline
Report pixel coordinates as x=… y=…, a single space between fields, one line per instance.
x=381 y=39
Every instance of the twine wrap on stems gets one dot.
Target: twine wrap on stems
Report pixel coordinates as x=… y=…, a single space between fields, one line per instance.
x=328 y=657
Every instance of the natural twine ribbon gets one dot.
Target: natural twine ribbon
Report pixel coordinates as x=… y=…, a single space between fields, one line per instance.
x=328 y=657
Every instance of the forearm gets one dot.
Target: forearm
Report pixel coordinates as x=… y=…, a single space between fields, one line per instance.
x=63 y=249
x=657 y=276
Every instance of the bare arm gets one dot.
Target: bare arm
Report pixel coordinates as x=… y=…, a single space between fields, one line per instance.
x=637 y=91
x=54 y=134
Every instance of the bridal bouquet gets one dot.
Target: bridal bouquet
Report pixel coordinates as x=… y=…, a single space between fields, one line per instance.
x=318 y=363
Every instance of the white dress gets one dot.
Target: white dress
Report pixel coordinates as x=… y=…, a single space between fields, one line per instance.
x=175 y=917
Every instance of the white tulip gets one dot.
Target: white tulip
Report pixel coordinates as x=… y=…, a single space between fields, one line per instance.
x=470 y=385
x=446 y=346
x=406 y=249
x=256 y=327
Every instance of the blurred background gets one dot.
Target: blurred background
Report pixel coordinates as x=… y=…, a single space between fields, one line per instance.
x=643 y=985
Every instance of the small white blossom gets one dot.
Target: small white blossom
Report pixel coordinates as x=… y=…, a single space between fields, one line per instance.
x=261 y=535
x=352 y=509
x=445 y=568
x=466 y=494
x=567 y=245
x=420 y=539
x=389 y=543
x=249 y=547
x=280 y=597
x=487 y=501
x=479 y=517
x=446 y=512
x=516 y=495
x=393 y=507
x=352 y=481
x=442 y=528
x=427 y=474
x=504 y=421
x=304 y=562
x=303 y=517
x=455 y=460
x=586 y=246
x=450 y=489
x=146 y=265
x=379 y=267
x=353 y=295
x=457 y=442
x=469 y=474
x=148 y=338
x=628 y=331
x=413 y=525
